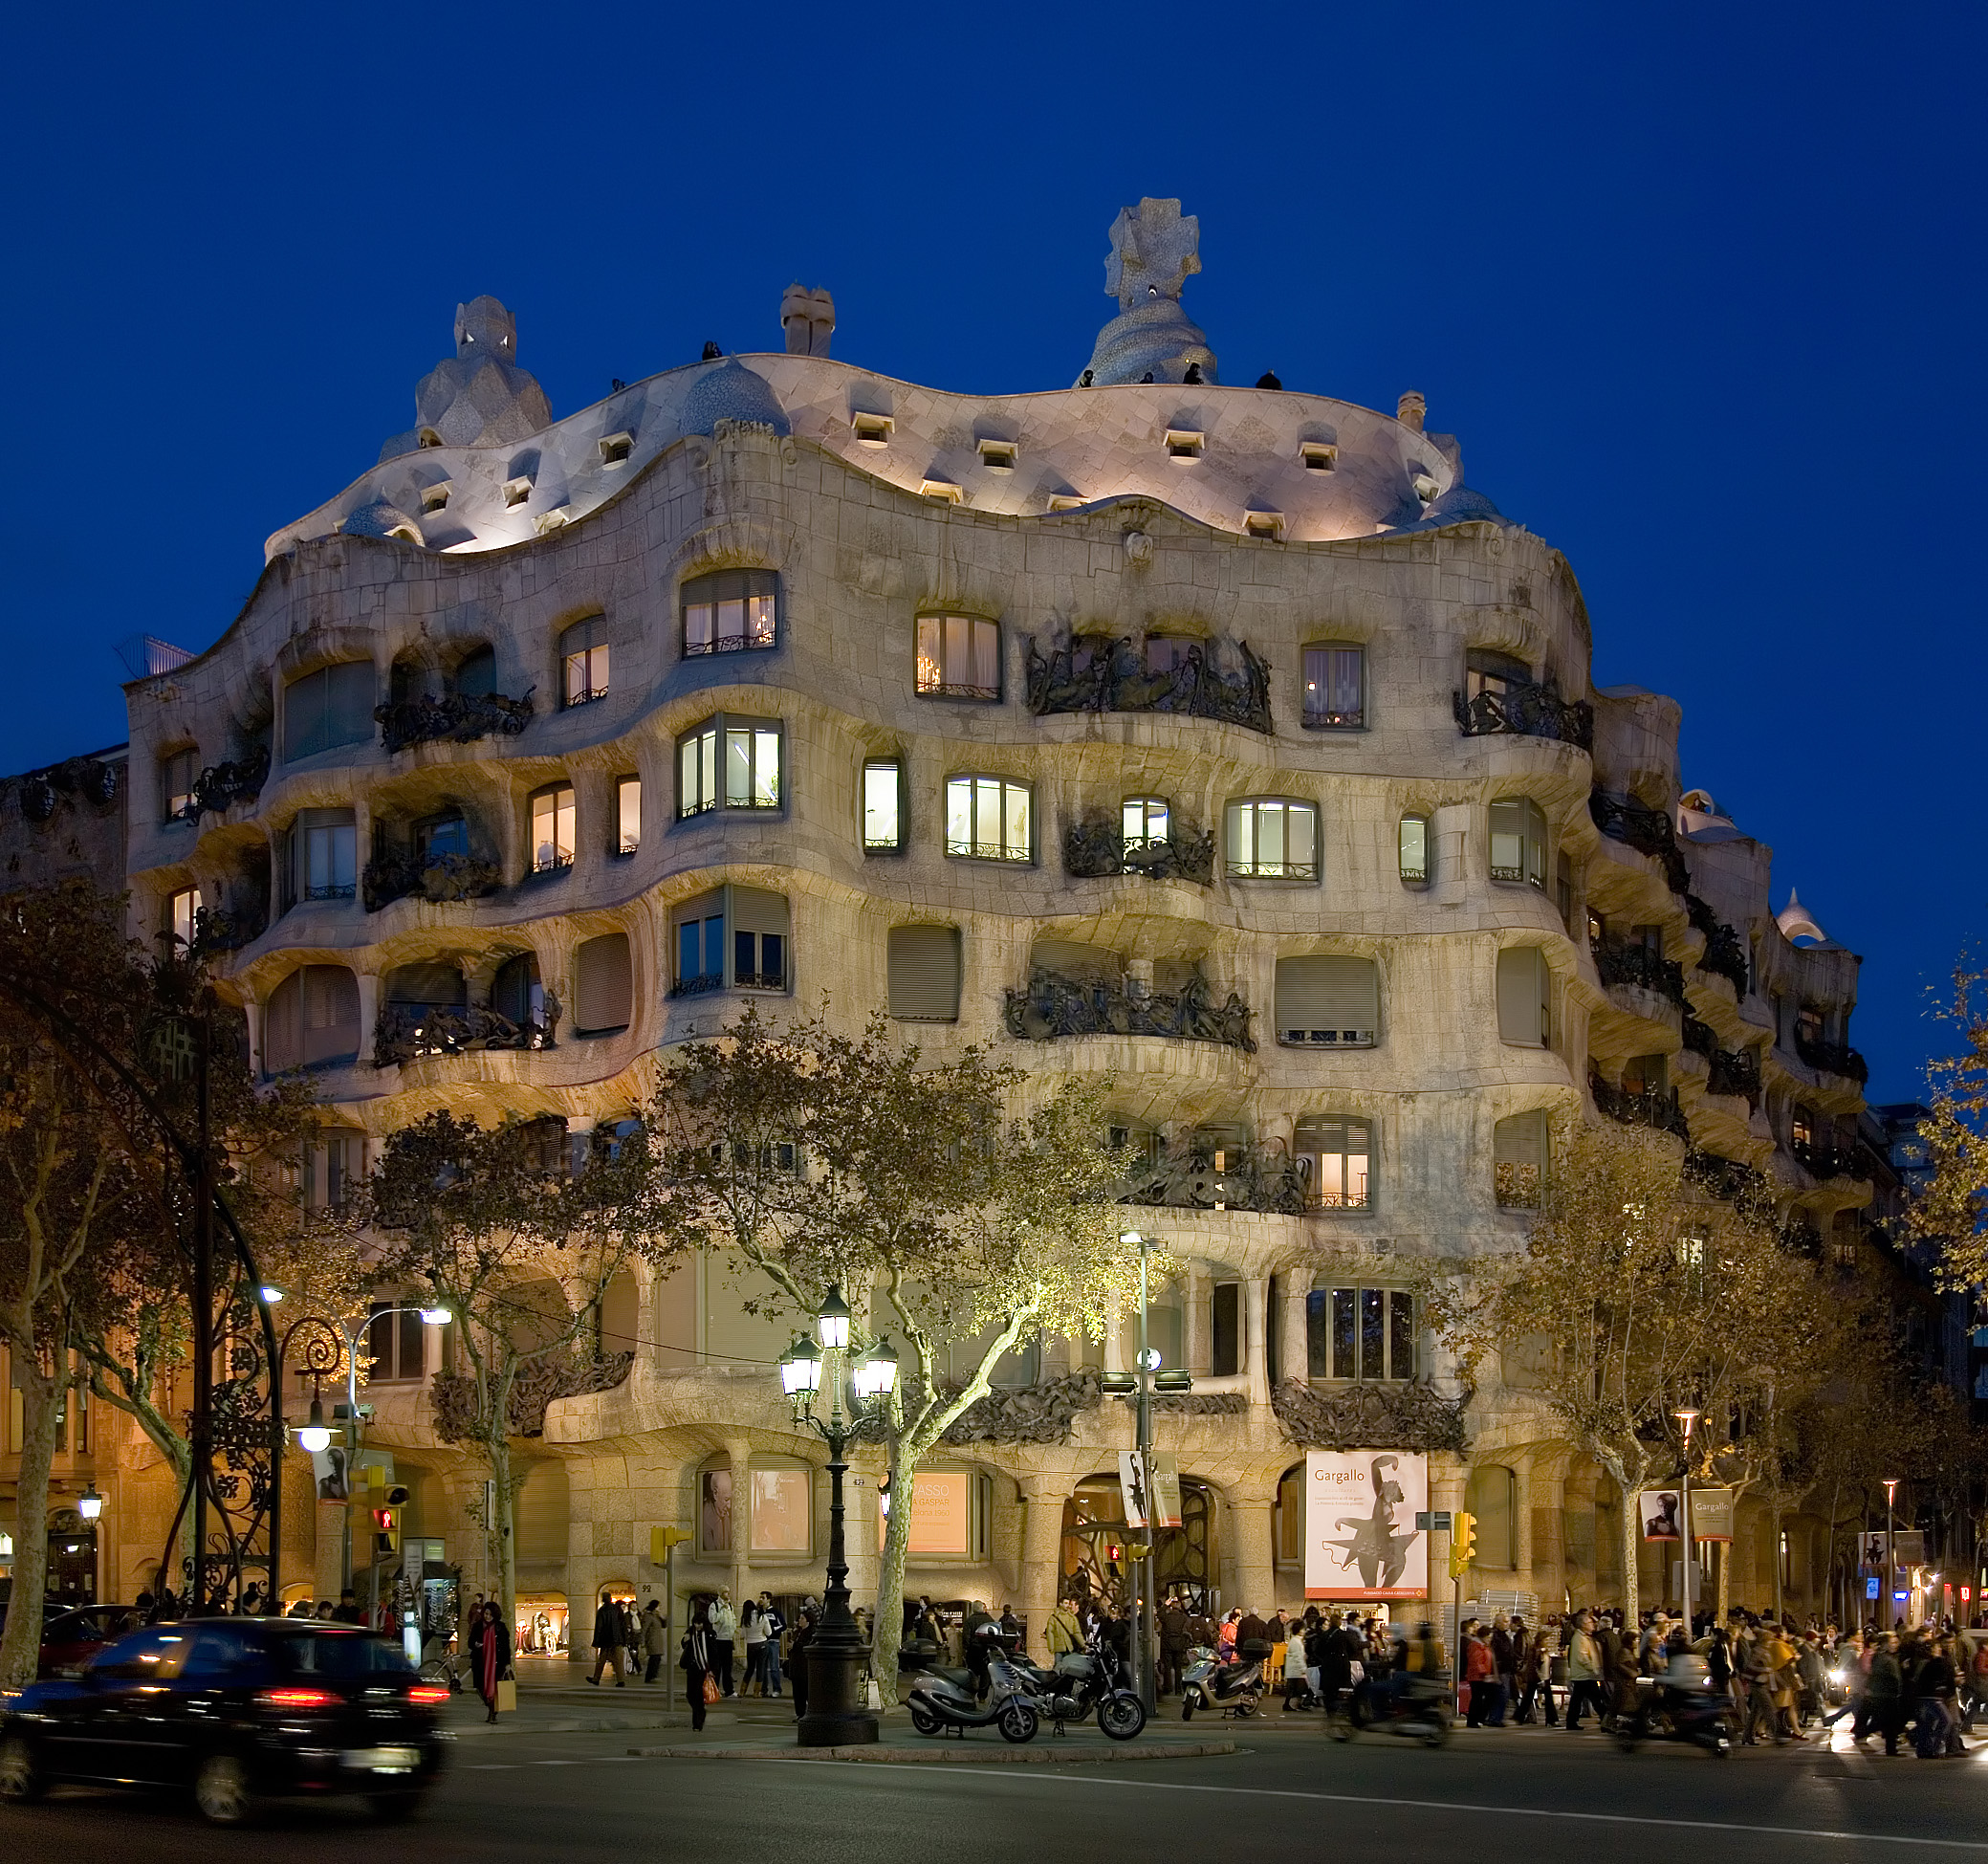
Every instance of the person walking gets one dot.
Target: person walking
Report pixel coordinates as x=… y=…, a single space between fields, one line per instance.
x=724 y=1632
x=494 y=1666
x=1882 y=1708
x=752 y=1634
x=798 y=1659
x=1584 y=1672
x=1062 y=1634
x=697 y=1660
x=608 y=1639
x=773 y=1625
x=655 y=1640
x=1480 y=1676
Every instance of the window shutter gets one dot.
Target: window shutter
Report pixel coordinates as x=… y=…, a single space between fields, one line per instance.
x=282 y=1026
x=603 y=990
x=1520 y=1140
x=1334 y=1000
x=430 y=986
x=756 y=911
x=348 y=702
x=925 y=974
x=511 y=990
x=330 y=1014
x=583 y=635
x=1521 y=996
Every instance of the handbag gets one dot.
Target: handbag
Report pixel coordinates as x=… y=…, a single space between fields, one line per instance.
x=710 y=1689
x=1357 y=1670
x=507 y=1696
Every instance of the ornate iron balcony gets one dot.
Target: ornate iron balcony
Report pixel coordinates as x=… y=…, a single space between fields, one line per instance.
x=1100 y=847
x=1638 y=965
x=1700 y=1038
x=1250 y=1178
x=1654 y=1109
x=1724 y=955
x=233 y=780
x=413 y=1032
x=1826 y=1159
x=438 y=879
x=465 y=717
x=1055 y=1007
x=1736 y=1071
x=1832 y=1058
x=1649 y=831
x=1217 y=679
x=217 y=930
x=1724 y=1178
x=701 y=985
x=1526 y=710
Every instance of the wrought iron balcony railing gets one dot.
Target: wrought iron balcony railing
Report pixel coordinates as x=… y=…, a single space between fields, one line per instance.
x=1724 y=955
x=438 y=879
x=1652 y=1108
x=1526 y=710
x=1054 y=1006
x=1640 y=966
x=413 y=1032
x=1832 y=1058
x=217 y=929
x=1735 y=1071
x=1100 y=847
x=1649 y=831
x=233 y=780
x=1248 y=1177
x=1217 y=679
x=1700 y=1038
x=463 y=716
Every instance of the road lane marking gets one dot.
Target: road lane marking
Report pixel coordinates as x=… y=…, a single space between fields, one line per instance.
x=1434 y=1805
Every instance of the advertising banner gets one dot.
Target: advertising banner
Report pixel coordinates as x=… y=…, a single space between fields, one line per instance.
x=1661 y=1511
x=1712 y=1514
x=939 y=1516
x=1909 y=1548
x=1162 y=1488
x=1658 y=1508
x=1131 y=1488
x=1361 y=1541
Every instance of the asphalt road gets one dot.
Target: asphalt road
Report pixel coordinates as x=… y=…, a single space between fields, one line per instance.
x=1535 y=1796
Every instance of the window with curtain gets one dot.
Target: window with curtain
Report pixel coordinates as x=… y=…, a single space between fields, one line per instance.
x=1519 y=841
x=328 y=707
x=731 y=611
x=583 y=656
x=1335 y=688
x=729 y=764
x=323 y=855
x=1354 y=1333
x=959 y=657
x=627 y=814
x=555 y=823
x=1145 y=821
x=1333 y=1153
x=1272 y=838
x=987 y=819
x=1519 y=1159
x=395 y=1343
x=884 y=805
x=1414 y=852
x=182 y=918
x=178 y=773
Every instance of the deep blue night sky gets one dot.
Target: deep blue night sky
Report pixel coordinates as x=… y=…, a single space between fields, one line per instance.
x=1700 y=289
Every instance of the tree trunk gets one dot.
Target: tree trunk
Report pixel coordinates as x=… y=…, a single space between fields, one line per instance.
x=1632 y=1530
x=20 y=1645
x=503 y=1520
x=887 y=1637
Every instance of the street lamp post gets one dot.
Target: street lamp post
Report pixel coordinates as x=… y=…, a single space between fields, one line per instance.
x=1687 y=1416
x=836 y=1653
x=1890 y=1544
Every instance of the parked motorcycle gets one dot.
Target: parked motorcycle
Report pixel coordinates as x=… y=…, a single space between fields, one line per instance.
x=941 y=1698
x=1087 y=1680
x=1234 y=1688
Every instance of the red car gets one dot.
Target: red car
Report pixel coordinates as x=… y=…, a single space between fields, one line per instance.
x=71 y=1638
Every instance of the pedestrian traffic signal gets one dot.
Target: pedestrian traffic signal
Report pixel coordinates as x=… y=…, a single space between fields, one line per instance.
x=386 y=1521
x=1463 y=1543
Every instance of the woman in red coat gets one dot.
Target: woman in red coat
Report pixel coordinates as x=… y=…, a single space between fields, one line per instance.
x=495 y=1657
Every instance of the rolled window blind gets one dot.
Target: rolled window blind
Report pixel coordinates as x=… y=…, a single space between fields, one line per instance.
x=604 y=991
x=1520 y=1140
x=1521 y=996
x=925 y=974
x=283 y=1027
x=754 y=909
x=330 y=1015
x=1331 y=1002
x=431 y=986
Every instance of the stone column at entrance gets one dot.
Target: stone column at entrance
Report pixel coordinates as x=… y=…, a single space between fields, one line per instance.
x=1255 y=1569
x=1449 y=1482
x=1042 y=1555
x=1255 y=1364
x=738 y=1453
x=1199 y=1349
x=1294 y=1359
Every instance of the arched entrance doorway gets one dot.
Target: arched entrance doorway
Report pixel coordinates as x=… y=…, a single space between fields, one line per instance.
x=1094 y=1538
x=71 y=1558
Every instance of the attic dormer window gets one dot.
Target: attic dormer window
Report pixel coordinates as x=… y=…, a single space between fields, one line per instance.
x=435 y=497
x=428 y=437
x=872 y=429
x=1318 y=455
x=516 y=491
x=1420 y=477
x=999 y=454
x=1185 y=443
x=615 y=448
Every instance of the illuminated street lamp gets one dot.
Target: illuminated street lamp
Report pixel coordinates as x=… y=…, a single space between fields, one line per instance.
x=89 y=1504
x=1687 y=1416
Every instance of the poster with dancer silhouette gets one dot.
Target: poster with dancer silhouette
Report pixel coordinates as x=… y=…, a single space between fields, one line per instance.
x=1361 y=1541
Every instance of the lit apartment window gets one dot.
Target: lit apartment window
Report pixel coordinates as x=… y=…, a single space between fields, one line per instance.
x=1332 y=1158
x=553 y=821
x=627 y=814
x=733 y=611
x=1415 y=850
x=1494 y=673
x=959 y=657
x=178 y=773
x=729 y=763
x=1145 y=820
x=1361 y=1333
x=583 y=661
x=1272 y=838
x=324 y=855
x=1335 y=688
x=183 y=915
x=441 y=835
x=1519 y=841
x=884 y=805
x=987 y=818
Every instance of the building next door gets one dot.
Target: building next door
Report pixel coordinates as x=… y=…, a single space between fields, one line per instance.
x=71 y=1558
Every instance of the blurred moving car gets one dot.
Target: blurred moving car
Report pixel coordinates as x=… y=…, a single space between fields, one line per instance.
x=237 y=1710
x=70 y=1640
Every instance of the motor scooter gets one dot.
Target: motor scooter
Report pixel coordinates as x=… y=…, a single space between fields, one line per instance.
x=942 y=1699
x=1693 y=1712
x=1416 y=1707
x=1234 y=1688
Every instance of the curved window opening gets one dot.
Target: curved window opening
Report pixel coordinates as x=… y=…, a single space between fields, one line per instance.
x=959 y=657
x=328 y=707
x=1333 y=1153
x=1272 y=838
x=1335 y=688
x=312 y=1020
x=731 y=611
x=1519 y=841
x=584 y=658
x=988 y=819
x=554 y=823
x=1415 y=855
x=476 y=673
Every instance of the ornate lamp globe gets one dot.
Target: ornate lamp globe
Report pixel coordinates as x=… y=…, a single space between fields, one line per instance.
x=314 y=1436
x=88 y=1504
x=877 y=1375
x=831 y=1323
x=800 y=1369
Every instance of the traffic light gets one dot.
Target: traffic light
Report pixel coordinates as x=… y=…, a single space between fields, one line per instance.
x=386 y=1521
x=1463 y=1543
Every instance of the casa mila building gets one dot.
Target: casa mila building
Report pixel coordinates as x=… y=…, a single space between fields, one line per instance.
x=1221 y=739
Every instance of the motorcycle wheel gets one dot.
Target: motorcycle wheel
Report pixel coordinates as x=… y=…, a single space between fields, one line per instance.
x=1122 y=1717
x=1436 y=1736
x=1245 y=1708
x=923 y=1719
x=1186 y=1708
x=1017 y=1724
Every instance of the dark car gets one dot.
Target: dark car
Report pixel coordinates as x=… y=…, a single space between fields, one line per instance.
x=235 y=1709
x=71 y=1639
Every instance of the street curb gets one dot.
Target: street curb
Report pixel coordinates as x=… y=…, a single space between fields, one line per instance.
x=948 y=1753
